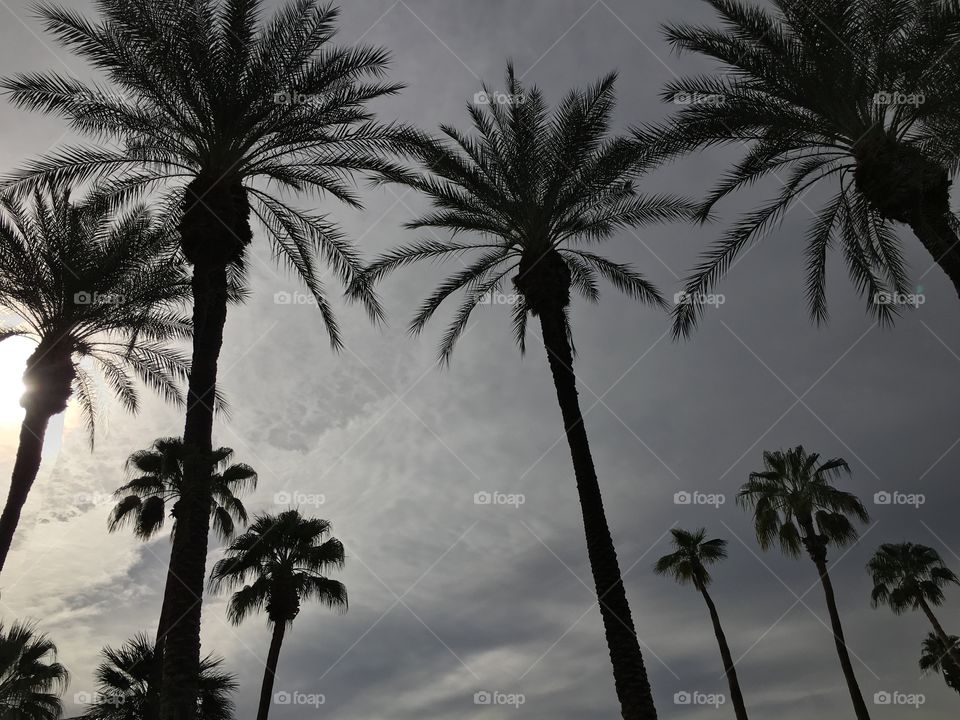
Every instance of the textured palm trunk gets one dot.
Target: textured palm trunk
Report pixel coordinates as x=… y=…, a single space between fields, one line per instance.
x=729 y=669
x=184 y=593
x=859 y=706
x=270 y=671
x=938 y=237
x=629 y=673
x=25 y=469
x=152 y=705
x=953 y=652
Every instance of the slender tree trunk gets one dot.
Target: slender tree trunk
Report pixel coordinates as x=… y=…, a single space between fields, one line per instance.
x=183 y=596
x=934 y=232
x=32 y=431
x=859 y=706
x=953 y=652
x=729 y=669
x=629 y=673
x=152 y=704
x=270 y=671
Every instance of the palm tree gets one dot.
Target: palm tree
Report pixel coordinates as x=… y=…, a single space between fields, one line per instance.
x=212 y=107
x=158 y=483
x=936 y=658
x=31 y=679
x=794 y=505
x=819 y=92
x=533 y=189
x=688 y=564
x=279 y=562
x=89 y=286
x=912 y=577
x=123 y=679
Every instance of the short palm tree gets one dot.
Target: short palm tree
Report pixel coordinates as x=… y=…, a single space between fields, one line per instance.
x=280 y=562
x=936 y=658
x=912 y=577
x=523 y=196
x=31 y=679
x=818 y=92
x=218 y=112
x=688 y=565
x=156 y=489
x=94 y=290
x=795 y=505
x=124 y=675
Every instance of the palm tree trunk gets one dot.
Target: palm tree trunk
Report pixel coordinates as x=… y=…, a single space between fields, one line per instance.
x=25 y=469
x=152 y=704
x=937 y=236
x=183 y=596
x=270 y=671
x=859 y=706
x=629 y=673
x=953 y=652
x=729 y=669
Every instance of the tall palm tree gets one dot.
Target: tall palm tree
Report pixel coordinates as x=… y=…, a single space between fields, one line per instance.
x=219 y=111
x=158 y=485
x=795 y=505
x=124 y=676
x=936 y=658
x=526 y=193
x=688 y=564
x=279 y=562
x=31 y=679
x=912 y=577
x=818 y=92
x=91 y=288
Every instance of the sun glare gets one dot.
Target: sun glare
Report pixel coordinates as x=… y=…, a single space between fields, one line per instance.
x=13 y=358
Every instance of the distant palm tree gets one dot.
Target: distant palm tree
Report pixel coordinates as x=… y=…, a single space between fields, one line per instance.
x=222 y=112
x=848 y=93
x=936 y=658
x=87 y=284
x=794 y=505
x=912 y=577
x=124 y=676
x=688 y=564
x=31 y=679
x=156 y=490
x=534 y=189
x=280 y=562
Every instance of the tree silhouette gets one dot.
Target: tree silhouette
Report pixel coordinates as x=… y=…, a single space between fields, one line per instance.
x=825 y=92
x=211 y=107
x=936 y=658
x=794 y=505
x=688 y=565
x=279 y=562
x=912 y=577
x=86 y=284
x=31 y=679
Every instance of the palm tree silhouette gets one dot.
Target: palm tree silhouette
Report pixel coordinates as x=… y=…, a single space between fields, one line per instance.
x=86 y=284
x=31 y=679
x=794 y=505
x=279 y=562
x=213 y=107
x=124 y=676
x=936 y=658
x=912 y=577
x=155 y=490
x=688 y=564
x=821 y=92
x=534 y=189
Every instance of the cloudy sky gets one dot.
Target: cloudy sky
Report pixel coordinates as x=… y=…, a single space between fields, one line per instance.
x=448 y=597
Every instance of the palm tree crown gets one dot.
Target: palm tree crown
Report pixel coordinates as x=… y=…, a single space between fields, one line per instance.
x=158 y=487
x=906 y=575
x=123 y=675
x=31 y=680
x=936 y=657
x=688 y=563
x=532 y=188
